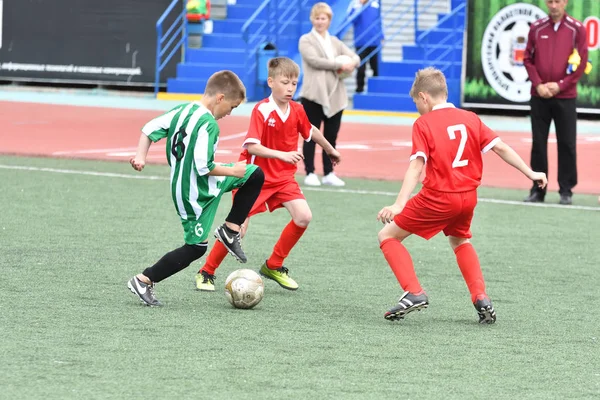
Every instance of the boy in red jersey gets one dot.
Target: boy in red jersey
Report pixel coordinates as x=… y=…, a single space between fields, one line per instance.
x=451 y=142
x=272 y=144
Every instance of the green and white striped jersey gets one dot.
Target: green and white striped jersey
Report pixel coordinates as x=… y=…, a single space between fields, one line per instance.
x=192 y=136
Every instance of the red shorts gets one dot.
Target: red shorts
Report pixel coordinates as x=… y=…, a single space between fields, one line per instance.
x=272 y=196
x=430 y=212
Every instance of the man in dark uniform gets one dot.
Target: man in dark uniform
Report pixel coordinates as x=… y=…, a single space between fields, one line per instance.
x=551 y=43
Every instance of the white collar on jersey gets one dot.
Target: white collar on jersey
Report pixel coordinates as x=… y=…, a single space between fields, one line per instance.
x=202 y=107
x=443 y=105
x=283 y=116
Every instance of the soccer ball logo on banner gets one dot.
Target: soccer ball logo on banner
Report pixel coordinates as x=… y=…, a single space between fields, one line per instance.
x=503 y=50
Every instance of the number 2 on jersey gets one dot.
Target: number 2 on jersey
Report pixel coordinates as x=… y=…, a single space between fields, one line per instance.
x=462 y=129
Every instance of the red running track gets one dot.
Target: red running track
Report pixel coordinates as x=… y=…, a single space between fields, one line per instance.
x=368 y=150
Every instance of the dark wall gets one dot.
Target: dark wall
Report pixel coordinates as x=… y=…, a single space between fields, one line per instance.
x=104 y=41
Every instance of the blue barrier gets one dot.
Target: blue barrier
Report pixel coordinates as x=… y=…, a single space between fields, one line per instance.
x=170 y=35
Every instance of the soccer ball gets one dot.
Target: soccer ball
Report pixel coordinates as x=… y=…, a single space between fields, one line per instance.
x=244 y=288
x=343 y=59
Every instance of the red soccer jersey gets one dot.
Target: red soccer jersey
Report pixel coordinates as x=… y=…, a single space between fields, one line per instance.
x=452 y=142
x=270 y=127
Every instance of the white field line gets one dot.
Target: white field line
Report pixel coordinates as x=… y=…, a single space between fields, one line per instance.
x=304 y=188
x=133 y=149
x=359 y=145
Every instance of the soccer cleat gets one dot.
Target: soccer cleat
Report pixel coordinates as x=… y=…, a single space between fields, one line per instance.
x=232 y=242
x=279 y=275
x=485 y=309
x=409 y=302
x=144 y=291
x=205 y=282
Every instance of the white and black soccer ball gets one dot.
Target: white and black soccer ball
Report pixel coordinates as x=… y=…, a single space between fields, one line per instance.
x=244 y=288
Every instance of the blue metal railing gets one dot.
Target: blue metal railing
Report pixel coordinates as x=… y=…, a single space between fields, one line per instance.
x=390 y=25
x=279 y=15
x=400 y=29
x=258 y=37
x=178 y=27
x=421 y=40
x=341 y=31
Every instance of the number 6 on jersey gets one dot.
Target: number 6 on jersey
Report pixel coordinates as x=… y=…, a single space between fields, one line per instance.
x=461 y=147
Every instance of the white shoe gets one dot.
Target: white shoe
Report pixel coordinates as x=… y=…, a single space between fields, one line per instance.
x=332 y=180
x=312 y=180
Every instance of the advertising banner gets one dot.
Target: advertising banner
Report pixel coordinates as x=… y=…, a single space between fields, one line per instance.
x=497 y=32
x=101 y=42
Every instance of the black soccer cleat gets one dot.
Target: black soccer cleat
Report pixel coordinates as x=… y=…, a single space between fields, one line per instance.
x=144 y=291
x=232 y=242
x=485 y=309
x=409 y=302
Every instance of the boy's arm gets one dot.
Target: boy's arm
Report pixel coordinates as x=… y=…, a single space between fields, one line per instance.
x=139 y=161
x=411 y=178
x=238 y=170
x=153 y=131
x=512 y=158
x=290 y=157
x=319 y=139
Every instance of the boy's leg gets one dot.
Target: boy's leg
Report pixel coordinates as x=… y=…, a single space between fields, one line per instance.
x=291 y=234
x=470 y=268
x=205 y=279
x=399 y=260
x=468 y=262
x=195 y=235
x=214 y=259
x=301 y=216
x=425 y=215
x=174 y=261
x=249 y=189
x=219 y=251
x=459 y=233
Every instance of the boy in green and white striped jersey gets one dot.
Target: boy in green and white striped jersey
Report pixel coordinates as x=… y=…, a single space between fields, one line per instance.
x=197 y=182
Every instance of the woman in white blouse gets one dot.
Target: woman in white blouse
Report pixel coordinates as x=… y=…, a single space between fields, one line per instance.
x=323 y=93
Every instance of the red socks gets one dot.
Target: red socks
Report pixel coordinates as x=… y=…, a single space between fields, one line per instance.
x=401 y=263
x=215 y=258
x=468 y=262
x=288 y=239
